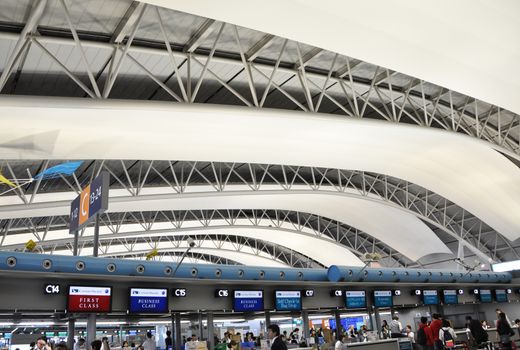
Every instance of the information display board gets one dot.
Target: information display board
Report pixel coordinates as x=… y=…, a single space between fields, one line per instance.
x=288 y=300
x=501 y=295
x=148 y=300
x=89 y=299
x=248 y=300
x=485 y=296
x=383 y=298
x=355 y=299
x=430 y=297
x=450 y=296
x=346 y=322
x=92 y=200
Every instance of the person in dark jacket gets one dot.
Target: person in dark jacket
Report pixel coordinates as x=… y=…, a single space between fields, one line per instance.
x=504 y=331
x=273 y=332
x=477 y=332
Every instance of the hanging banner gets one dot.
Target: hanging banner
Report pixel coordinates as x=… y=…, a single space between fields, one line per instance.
x=91 y=201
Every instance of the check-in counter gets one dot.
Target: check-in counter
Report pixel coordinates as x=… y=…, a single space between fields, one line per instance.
x=386 y=344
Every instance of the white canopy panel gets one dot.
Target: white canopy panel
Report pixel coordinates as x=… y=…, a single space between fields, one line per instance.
x=465 y=45
x=462 y=169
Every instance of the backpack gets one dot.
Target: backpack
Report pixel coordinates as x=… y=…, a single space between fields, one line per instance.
x=448 y=341
x=421 y=337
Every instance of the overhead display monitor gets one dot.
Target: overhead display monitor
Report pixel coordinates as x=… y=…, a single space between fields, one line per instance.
x=288 y=300
x=450 y=296
x=430 y=297
x=89 y=299
x=485 y=296
x=148 y=300
x=248 y=300
x=501 y=295
x=355 y=299
x=383 y=298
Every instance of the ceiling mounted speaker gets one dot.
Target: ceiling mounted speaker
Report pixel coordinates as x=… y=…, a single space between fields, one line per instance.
x=140 y=269
x=168 y=270
x=194 y=272
x=240 y=273
x=218 y=273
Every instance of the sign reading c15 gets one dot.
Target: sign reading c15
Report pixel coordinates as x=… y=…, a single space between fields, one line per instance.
x=92 y=200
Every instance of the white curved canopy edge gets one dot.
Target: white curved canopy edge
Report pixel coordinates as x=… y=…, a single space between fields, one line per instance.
x=400 y=230
x=443 y=42
x=463 y=169
x=324 y=250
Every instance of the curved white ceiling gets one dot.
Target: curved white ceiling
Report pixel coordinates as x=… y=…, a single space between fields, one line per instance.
x=469 y=46
x=322 y=249
x=463 y=169
x=400 y=230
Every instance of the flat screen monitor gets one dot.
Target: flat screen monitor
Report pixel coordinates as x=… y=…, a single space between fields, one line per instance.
x=383 y=298
x=450 y=296
x=485 y=296
x=148 y=300
x=288 y=300
x=430 y=297
x=89 y=299
x=356 y=321
x=501 y=295
x=248 y=300
x=355 y=299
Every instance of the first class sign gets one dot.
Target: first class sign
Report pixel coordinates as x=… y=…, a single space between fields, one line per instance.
x=89 y=299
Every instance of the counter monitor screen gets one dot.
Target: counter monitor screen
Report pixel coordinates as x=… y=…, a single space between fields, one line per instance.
x=248 y=300
x=485 y=296
x=430 y=297
x=89 y=299
x=383 y=298
x=501 y=295
x=355 y=299
x=288 y=300
x=148 y=300
x=450 y=296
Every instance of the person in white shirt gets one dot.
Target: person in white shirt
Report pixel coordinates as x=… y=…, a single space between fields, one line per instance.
x=339 y=343
x=192 y=344
x=409 y=333
x=446 y=327
x=79 y=344
x=149 y=343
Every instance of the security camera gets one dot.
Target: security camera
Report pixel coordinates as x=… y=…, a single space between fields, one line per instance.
x=191 y=242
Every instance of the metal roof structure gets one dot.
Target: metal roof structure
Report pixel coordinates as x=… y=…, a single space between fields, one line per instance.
x=265 y=150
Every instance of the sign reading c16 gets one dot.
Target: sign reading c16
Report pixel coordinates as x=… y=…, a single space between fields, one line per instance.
x=91 y=201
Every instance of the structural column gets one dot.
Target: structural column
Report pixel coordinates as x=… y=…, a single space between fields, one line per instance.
x=201 y=326
x=91 y=329
x=211 y=332
x=267 y=322
x=178 y=338
x=70 y=333
x=305 y=322
x=338 y=324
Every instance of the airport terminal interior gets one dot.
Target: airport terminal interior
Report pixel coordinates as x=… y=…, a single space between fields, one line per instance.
x=232 y=175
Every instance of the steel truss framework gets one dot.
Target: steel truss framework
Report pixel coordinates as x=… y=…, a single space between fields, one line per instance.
x=261 y=73
x=452 y=223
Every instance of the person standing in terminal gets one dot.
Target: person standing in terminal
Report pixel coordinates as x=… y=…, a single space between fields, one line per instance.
x=149 y=343
x=504 y=331
x=385 y=330
x=192 y=343
x=168 y=340
x=409 y=333
x=396 y=328
x=424 y=339
x=79 y=344
x=478 y=333
x=435 y=327
x=273 y=332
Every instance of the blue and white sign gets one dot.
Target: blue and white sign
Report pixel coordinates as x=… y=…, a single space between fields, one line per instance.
x=430 y=297
x=288 y=300
x=450 y=296
x=355 y=299
x=383 y=298
x=485 y=296
x=248 y=300
x=501 y=295
x=147 y=300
